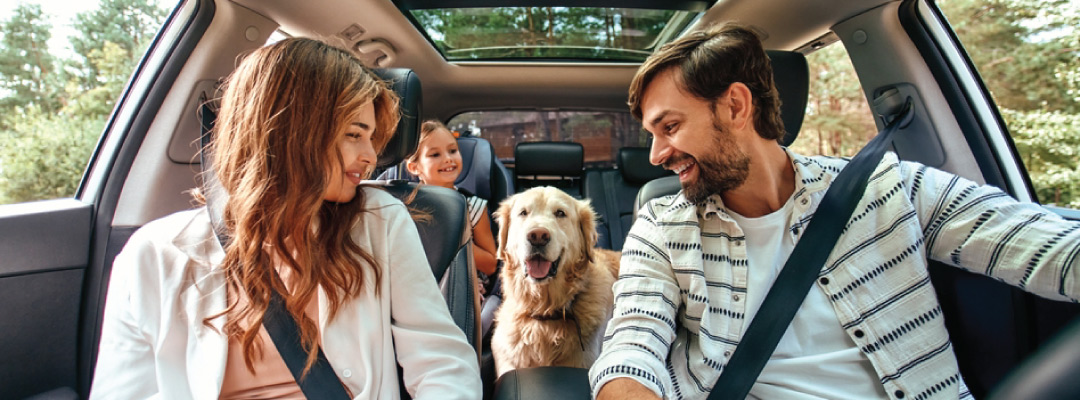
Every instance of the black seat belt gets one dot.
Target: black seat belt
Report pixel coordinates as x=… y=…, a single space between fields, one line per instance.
x=803 y=266
x=321 y=382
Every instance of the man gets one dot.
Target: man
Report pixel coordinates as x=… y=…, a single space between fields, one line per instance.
x=696 y=266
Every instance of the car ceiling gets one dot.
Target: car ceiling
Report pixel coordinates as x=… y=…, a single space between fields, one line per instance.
x=451 y=88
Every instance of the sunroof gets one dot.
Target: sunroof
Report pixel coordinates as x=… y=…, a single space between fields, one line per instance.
x=552 y=33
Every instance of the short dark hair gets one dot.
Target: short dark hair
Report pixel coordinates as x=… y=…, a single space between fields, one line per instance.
x=709 y=61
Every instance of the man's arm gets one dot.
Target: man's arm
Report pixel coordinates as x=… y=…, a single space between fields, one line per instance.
x=625 y=389
x=642 y=329
x=984 y=230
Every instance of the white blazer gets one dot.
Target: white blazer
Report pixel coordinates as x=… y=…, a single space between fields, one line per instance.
x=166 y=281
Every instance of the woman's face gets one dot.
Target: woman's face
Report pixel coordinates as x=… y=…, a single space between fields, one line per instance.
x=438 y=160
x=357 y=152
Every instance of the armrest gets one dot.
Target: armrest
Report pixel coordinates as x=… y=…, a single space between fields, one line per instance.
x=543 y=383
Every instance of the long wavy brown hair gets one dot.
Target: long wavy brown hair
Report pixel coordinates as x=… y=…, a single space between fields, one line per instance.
x=282 y=113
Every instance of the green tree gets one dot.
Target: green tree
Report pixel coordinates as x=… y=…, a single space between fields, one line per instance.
x=27 y=69
x=838 y=121
x=129 y=24
x=559 y=32
x=44 y=155
x=50 y=124
x=1026 y=52
x=1049 y=143
x=114 y=66
x=1021 y=48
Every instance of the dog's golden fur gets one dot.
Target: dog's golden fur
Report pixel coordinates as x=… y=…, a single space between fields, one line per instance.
x=558 y=318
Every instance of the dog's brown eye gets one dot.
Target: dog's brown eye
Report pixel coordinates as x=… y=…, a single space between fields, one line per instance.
x=560 y=214
x=523 y=212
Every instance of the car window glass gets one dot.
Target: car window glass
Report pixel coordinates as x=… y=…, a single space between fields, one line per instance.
x=62 y=67
x=838 y=120
x=1026 y=52
x=602 y=133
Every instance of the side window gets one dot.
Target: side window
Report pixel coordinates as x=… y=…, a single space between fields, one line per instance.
x=1026 y=53
x=602 y=133
x=62 y=68
x=838 y=120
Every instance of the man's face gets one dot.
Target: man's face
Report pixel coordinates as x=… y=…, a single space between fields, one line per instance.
x=690 y=139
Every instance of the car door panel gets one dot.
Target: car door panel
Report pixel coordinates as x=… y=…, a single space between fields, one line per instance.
x=46 y=248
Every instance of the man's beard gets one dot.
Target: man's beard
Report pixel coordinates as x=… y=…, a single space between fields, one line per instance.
x=725 y=168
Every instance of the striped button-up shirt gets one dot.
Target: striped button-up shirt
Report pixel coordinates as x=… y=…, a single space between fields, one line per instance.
x=680 y=307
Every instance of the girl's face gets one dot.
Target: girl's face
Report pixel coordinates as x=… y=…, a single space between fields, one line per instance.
x=357 y=151
x=438 y=161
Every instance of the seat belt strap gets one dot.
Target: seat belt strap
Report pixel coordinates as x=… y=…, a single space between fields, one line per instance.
x=802 y=267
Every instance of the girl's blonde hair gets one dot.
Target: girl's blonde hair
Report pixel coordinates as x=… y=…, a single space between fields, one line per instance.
x=282 y=113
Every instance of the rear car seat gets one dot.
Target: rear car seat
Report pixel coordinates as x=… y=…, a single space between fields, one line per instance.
x=558 y=164
x=442 y=232
x=482 y=173
x=612 y=193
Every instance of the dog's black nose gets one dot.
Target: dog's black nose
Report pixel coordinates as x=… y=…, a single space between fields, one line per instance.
x=539 y=237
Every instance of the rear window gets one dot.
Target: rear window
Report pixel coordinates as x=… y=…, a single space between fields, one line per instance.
x=602 y=133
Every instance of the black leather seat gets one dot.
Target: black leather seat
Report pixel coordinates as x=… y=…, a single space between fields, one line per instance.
x=441 y=232
x=558 y=164
x=482 y=173
x=612 y=193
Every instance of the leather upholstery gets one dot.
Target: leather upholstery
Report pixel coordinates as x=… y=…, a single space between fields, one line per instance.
x=656 y=188
x=612 y=193
x=407 y=85
x=543 y=383
x=792 y=77
x=633 y=163
x=564 y=161
x=549 y=158
x=482 y=173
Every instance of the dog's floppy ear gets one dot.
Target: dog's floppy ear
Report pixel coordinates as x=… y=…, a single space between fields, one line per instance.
x=503 y=216
x=587 y=222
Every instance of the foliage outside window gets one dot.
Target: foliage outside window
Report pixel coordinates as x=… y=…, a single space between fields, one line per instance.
x=602 y=133
x=1026 y=52
x=838 y=121
x=54 y=102
x=612 y=34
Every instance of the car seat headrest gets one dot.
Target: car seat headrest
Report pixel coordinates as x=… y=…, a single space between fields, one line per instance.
x=549 y=158
x=406 y=84
x=792 y=77
x=633 y=163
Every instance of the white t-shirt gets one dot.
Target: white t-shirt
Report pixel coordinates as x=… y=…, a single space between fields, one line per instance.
x=815 y=358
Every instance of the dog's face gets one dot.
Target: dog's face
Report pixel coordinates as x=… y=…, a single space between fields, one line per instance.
x=545 y=235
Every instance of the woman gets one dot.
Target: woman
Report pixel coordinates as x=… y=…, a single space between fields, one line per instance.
x=299 y=128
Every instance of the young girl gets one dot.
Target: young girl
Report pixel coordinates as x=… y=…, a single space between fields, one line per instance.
x=300 y=125
x=437 y=161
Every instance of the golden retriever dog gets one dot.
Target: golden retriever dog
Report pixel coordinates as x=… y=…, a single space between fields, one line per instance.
x=557 y=296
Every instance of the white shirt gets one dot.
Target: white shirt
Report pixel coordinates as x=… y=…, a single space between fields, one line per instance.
x=814 y=359
x=166 y=281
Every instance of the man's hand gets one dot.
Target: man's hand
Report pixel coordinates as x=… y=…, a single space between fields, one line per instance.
x=625 y=388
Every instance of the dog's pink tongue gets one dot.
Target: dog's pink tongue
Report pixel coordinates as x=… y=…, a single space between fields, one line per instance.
x=538 y=268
